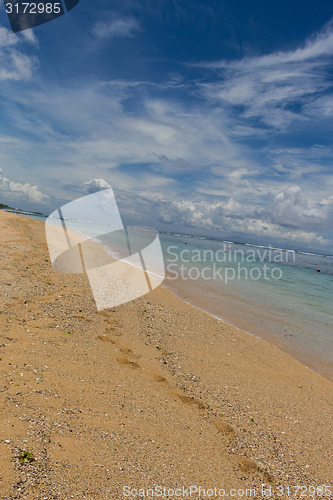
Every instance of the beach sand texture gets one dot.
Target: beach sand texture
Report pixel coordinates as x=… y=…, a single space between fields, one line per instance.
x=153 y=392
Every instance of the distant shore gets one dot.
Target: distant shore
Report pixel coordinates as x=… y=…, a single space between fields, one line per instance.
x=153 y=392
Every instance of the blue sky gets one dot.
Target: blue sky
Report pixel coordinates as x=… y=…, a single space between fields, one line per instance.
x=210 y=118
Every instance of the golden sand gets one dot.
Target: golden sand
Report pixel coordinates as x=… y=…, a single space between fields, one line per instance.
x=153 y=392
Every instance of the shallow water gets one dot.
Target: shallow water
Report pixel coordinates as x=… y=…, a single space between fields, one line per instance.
x=287 y=302
x=275 y=294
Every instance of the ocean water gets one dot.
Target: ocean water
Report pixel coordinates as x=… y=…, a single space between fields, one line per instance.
x=275 y=294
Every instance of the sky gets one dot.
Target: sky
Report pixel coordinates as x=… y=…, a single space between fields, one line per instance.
x=206 y=117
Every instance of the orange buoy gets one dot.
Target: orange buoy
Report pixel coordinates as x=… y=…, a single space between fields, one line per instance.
x=318 y=270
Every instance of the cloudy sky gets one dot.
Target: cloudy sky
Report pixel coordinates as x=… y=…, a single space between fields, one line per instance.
x=206 y=117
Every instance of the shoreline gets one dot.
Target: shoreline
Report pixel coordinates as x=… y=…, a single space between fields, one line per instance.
x=270 y=342
x=326 y=373
x=154 y=391
x=309 y=360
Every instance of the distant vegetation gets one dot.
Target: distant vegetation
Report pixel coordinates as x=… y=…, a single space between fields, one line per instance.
x=3 y=207
x=18 y=210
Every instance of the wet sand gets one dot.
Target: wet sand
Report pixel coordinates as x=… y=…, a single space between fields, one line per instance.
x=257 y=320
x=153 y=392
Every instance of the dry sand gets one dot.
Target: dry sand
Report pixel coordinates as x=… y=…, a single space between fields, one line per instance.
x=153 y=392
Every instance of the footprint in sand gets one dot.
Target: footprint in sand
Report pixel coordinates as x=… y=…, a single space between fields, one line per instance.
x=112 y=323
x=108 y=319
x=129 y=352
x=125 y=359
x=160 y=379
x=190 y=400
x=224 y=428
x=128 y=362
x=106 y=338
x=250 y=468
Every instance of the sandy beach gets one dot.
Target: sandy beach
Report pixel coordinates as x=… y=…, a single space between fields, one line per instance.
x=151 y=393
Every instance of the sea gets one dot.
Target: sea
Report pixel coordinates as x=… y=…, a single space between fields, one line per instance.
x=280 y=295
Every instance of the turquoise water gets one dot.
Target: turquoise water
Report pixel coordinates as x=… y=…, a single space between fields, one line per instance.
x=275 y=294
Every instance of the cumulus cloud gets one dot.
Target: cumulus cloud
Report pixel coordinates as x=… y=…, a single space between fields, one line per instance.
x=290 y=208
x=203 y=150
x=327 y=201
x=187 y=213
x=96 y=185
x=19 y=191
x=116 y=27
x=194 y=214
x=218 y=218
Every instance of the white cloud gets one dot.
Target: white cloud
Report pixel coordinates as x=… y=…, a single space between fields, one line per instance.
x=290 y=208
x=101 y=135
x=327 y=201
x=317 y=46
x=191 y=151
x=215 y=218
x=116 y=27
x=96 y=185
x=19 y=191
x=239 y=177
x=322 y=106
x=165 y=140
x=7 y=38
x=30 y=37
x=173 y=164
x=162 y=134
x=266 y=86
x=14 y=64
